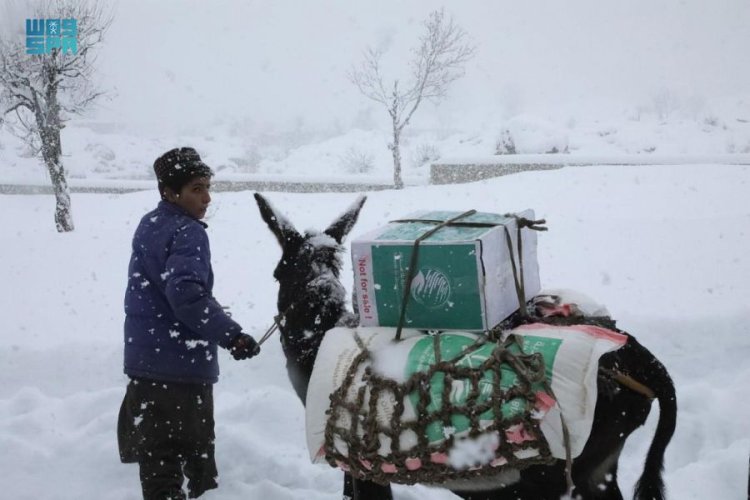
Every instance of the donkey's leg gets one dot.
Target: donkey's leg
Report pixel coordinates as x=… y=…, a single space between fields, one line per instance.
x=595 y=475
x=521 y=490
x=619 y=412
x=477 y=495
x=348 y=486
x=356 y=489
x=299 y=378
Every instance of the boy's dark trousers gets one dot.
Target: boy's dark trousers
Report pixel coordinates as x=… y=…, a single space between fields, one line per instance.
x=168 y=428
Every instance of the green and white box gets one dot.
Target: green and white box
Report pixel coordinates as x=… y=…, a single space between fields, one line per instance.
x=464 y=277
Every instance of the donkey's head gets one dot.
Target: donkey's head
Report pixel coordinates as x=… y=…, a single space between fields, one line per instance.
x=311 y=260
x=311 y=297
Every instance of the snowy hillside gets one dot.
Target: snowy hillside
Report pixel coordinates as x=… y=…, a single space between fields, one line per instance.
x=665 y=248
x=261 y=87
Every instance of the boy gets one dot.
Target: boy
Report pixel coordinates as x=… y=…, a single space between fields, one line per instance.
x=173 y=326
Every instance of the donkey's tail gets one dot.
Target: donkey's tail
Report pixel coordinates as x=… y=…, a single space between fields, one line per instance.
x=651 y=484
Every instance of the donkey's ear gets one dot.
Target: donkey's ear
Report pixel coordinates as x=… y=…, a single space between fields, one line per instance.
x=341 y=226
x=277 y=223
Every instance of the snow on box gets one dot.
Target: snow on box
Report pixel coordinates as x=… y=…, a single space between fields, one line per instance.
x=464 y=279
x=571 y=355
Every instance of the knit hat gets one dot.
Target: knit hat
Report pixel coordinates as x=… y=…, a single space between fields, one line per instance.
x=177 y=167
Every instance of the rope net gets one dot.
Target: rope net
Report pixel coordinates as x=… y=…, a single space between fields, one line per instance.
x=417 y=431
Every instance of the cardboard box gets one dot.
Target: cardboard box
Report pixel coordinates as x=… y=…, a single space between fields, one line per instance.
x=464 y=278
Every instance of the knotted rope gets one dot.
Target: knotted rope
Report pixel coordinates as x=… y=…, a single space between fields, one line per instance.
x=518 y=280
x=413 y=264
x=521 y=222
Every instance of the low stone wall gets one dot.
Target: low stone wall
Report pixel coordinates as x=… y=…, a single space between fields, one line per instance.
x=447 y=173
x=216 y=186
x=457 y=170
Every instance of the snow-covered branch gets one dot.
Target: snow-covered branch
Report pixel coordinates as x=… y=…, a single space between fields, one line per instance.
x=437 y=62
x=367 y=77
x=36 y=90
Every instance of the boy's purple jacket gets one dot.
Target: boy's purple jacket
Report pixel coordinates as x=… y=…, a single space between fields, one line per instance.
x=172 y=321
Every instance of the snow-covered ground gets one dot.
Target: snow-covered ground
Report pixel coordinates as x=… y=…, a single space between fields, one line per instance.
x=665 y=248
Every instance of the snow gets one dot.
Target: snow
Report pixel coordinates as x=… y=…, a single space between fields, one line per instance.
x=473 y=452
x=260 y=90
x=390 y=359
x=664 y=248
x=321 y=240
x=585 y=304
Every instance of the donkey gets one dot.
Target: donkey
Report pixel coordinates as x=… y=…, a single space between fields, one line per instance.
x=311 y=301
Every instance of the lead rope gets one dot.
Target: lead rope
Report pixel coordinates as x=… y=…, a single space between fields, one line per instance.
x=413 y=267
x=271 y=329
x=276 y=323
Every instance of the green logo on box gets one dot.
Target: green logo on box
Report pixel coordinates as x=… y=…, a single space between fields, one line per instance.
x=444 y=293
x=431 y=288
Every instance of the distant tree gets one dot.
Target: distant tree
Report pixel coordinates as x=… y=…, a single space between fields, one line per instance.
x=37 y=92
x=437 y=62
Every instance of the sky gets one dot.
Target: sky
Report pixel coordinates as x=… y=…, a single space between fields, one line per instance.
x=285 y=63
x=187 y=65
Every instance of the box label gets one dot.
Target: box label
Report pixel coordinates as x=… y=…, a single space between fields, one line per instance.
x=365 y=288
x=445 y=292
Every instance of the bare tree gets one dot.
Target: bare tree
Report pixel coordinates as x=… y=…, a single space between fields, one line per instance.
x=38 y=92
x=437 y=62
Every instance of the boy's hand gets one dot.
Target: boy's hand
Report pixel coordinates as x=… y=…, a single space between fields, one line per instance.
x=244 y=347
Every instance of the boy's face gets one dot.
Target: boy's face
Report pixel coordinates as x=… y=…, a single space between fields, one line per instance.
x=194 y=197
